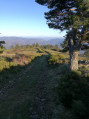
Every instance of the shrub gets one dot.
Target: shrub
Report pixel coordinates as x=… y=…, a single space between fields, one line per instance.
x=79 y=109
x=56 y=59
x=53 y=59
x=75 y=74
x=87 y=75
x=40 y=50
x=61 y=56
x=74 y=87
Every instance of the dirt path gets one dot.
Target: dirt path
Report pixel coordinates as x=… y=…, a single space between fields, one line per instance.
x=11 y=84
x=40 y=108
x=26 y=97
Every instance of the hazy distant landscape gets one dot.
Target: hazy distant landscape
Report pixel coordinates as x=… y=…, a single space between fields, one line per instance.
x=29 y=41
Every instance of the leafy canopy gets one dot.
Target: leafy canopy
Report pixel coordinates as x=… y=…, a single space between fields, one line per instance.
x=1 y=44
x=67 y=14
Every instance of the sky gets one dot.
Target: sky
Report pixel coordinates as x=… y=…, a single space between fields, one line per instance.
x=24 y=18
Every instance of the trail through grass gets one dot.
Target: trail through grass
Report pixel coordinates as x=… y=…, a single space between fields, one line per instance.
x=34 y=94
x=15 y=103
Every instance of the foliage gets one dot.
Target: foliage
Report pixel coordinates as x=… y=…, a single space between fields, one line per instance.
x=36 y=45
x=72 y=16
x=17 y=104
x=1 y=46
x=56 y=59
x=64 y=45
x=4 y=64
x=73 y=92
x=40 y=50
x=12 y=47
x=51 y=47
x=14 y=61
x=17 y=46
x=79 y=109
x=65 y=14
x=86 y=52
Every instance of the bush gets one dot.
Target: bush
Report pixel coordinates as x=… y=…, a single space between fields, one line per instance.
x=74 y=87
x=75 y=74
x=40 y=50
x=10 y=67
x=86 y=75
x=53 y=59
x=56 y=59
x=79 y=109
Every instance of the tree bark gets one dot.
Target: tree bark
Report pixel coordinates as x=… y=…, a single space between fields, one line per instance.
x=74 y=47
x=73 y=56
x=74 y=60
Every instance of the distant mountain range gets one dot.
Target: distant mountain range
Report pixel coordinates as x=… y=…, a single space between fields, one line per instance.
x=24 y=41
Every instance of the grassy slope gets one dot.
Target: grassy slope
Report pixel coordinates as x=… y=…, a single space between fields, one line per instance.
x=20 y=100
x=16 y=104
x=14 y=59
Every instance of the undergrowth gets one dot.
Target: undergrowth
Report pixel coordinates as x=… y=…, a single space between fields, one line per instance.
x=11 y=67
x=73 y=91
x=54 y=59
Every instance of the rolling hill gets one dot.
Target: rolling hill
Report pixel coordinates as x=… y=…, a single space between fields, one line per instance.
x=24 y=41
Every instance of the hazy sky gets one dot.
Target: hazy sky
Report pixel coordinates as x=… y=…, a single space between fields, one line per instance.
x=24 y=18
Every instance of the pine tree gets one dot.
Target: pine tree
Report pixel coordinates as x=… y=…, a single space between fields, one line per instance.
x=1 y=46
x=37 y=44
x=73 y=16
x=12 y=47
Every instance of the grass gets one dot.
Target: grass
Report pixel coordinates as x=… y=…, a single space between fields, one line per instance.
x=19 y=99
x=10 y=53
x=74 y=88
x=55 y=59
x=11 y=65
x=54 y=74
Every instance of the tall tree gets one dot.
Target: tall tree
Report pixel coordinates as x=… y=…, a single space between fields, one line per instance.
x=1 y=44
x=73 y=16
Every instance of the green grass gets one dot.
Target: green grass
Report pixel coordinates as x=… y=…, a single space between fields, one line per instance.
x=54 y=74
x=54 y=59
x=11 y=65
x=19 y=99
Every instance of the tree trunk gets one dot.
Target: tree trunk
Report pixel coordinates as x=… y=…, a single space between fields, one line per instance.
x=74 y=60
x=74 y=47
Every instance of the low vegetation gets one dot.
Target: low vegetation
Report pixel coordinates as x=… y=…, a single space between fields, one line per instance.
x=73 y=88
x=57 y=59
x=73 y=92
x=14 y=61
x=69 y=92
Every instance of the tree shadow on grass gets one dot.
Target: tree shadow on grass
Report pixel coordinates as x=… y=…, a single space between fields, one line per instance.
x=12 y=72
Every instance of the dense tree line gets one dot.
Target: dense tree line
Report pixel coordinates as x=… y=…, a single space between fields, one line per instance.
x=35 y=45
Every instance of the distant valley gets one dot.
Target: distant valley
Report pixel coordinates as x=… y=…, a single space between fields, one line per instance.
x=24 y=41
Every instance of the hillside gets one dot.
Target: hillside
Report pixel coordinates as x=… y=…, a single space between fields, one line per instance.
x=35 y=83
x=26 y=85
x=24 y=41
